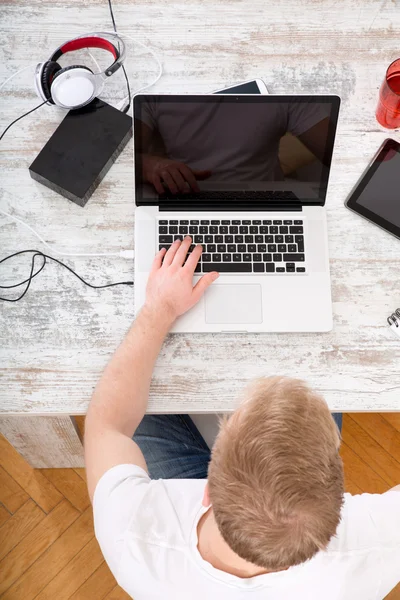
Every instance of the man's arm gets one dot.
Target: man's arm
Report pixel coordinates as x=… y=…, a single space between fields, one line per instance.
x=119 y=401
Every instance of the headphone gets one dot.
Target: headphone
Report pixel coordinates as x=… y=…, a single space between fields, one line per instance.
x=75 y=86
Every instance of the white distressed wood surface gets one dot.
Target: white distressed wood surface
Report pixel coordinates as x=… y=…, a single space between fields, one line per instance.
x=56 y=341
x=44 y=442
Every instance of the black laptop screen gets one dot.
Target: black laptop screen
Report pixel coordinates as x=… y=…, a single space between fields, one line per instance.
x=191 y=148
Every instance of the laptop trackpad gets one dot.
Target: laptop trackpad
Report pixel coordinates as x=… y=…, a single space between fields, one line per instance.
x=239 y=304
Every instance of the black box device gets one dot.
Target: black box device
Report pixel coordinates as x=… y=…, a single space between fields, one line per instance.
x=81 y=150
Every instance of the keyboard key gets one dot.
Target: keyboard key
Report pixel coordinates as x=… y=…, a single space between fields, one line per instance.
x=299 y=238
x=173 y=229
x=163 y=229
x=219 y=239
x=283 y=229
x=259 y=268
x=300 y=269
x=271 y=248
x=198 y=239
x=225 y=222
x=173 y=222
x=195 y=222
x=269 y=268
x=261 y=248
x=287 y=222
x=183 y=222
x=251 y=248
x=281 y=247
x=290 y=265
x=163 y=222
x=193 y=229
x=277 y=257
x=203 y=229
x=268 y=222
x=296 y=229
x=241 y=248
x=298 y=222
x=292 y=248
x=211 y=248
x=233 y=229
x=227 y=257
x=289 y=269
x=267 y=257
x=269 y=239
x=277 y=222
x=278 y=239
x=206 y=257
x=214 y=222
x=228 y=267
x=273 y=229
x=246 y=222
x=293 y=257
x=217 y=257
x=191 y=247
x=223 y=229
x=231 y=248
x=228 y=239
x=264 y=229
x=183 y=229
x=221 y=248
x=289 y=239
x=249 y=239
x=259 y=239
x=300 y=246
x=204 y=222
x=165 y=239
x=256 y=257
x=208 y=239
x=166 y=246
x=213 y=228
x=236 y=222
x=247 y=257
x=253 y=229
x=243 y=229
x=178 y=236
x=280 y=269
x=239 y=239
x=237 y=257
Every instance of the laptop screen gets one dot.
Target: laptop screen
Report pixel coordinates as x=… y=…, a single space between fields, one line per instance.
x=230 y=148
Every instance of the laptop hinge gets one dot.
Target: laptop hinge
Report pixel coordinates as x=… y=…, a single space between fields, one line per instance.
x=228 y=206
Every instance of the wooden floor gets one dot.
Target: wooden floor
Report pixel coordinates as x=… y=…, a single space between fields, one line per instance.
x=47 y=545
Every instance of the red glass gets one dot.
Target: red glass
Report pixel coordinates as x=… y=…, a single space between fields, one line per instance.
x=388 y=110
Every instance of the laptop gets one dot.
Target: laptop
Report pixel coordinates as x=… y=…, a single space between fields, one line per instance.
x=246 y=176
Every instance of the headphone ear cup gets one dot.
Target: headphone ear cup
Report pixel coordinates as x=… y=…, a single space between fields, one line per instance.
x=50 y=70
x=75 y=90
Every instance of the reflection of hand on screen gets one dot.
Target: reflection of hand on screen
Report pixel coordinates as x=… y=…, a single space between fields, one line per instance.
x=171 y=174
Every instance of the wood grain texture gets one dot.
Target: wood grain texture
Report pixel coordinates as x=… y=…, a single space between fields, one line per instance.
x=31 y=480
x=11 y=494
x=56 y=341
x=97 y=586
x=4 y=515
x=70 y=485
x=20 y=524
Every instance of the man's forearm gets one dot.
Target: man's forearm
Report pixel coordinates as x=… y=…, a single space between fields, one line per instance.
x=120 y=398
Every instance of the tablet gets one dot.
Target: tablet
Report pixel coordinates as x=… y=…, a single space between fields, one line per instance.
x=376 y=196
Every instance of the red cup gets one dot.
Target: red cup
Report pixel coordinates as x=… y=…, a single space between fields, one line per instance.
x=388 y=110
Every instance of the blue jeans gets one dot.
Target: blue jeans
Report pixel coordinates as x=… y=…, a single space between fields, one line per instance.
x=174 y=448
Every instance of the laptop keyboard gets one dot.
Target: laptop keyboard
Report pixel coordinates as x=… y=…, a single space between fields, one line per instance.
x=234 y=195
x=241 y=245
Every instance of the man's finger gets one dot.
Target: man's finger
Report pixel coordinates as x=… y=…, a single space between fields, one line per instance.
x=169 y=181
x=201 y=175
x=157 y=262
x=180 y=182
x=181 y=254
x=203 y=284
x=169 y=257
x=190 y=178
x=193 y=259
x=158 y=185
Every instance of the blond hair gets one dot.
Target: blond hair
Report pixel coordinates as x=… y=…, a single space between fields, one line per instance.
x=275 y=476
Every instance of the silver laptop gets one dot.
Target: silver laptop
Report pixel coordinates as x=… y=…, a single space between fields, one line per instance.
x=246 y=177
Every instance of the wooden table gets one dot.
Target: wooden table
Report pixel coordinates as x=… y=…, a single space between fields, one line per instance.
x=56 y=341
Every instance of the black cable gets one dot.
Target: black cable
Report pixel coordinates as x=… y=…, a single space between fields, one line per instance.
x=123 y=68
x=19 y=118
x=32 y=274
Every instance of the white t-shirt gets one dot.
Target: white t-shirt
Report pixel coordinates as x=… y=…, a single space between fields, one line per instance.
x=203 y=136
x=147 y=530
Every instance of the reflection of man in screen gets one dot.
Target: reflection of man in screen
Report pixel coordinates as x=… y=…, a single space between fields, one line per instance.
x=183 y=143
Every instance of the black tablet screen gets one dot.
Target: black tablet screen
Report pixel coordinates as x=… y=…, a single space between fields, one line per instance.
x=381 y=195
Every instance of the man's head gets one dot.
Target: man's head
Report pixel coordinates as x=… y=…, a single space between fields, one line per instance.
x=276 y=478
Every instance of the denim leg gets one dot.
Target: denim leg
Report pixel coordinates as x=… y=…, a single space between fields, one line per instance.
x=172 y=447
x=338 y=418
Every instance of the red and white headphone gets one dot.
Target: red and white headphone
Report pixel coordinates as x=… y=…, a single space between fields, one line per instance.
x=75 y=86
